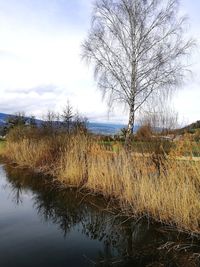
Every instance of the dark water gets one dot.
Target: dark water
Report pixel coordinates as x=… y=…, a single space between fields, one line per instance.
x=45 y=227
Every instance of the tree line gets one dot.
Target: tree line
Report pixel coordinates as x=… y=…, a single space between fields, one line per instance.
x=67 y=121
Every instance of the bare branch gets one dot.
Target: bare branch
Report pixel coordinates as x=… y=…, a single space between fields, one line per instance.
x=138 y=49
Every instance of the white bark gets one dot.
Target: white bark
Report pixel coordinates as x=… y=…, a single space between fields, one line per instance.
x=137 y=47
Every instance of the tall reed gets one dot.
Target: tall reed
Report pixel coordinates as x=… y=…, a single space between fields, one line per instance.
x=170 y=194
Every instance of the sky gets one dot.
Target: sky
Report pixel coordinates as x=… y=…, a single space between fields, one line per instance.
x=41 y=67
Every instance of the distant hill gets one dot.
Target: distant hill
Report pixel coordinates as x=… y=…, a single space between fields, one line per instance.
x=191 y=127
x=3 y=118
x=98 y=128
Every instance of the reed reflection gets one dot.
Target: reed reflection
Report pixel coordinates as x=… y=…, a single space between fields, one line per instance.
x=130 y=243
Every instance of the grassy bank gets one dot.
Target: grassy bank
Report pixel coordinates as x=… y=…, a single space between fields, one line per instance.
x=167 y=191
x=2 y=146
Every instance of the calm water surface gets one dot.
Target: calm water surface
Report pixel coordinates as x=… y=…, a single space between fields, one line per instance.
x=44 y=227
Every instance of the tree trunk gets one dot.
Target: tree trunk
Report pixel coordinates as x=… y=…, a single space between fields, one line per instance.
x=130 y=127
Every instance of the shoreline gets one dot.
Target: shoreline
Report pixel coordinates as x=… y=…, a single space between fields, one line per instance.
x=170 y=196
x=111 y=205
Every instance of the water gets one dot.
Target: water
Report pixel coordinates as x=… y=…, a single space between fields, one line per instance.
x=44 y=227
x=105 y=128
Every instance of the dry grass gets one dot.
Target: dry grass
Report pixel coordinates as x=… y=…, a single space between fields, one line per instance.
x=171 y=195
x=2 y=146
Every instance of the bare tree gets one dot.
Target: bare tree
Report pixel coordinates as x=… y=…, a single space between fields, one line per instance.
x=67 y=116
x=51 y=122
x=19 y=119
x=161 y=118
x=138 y=49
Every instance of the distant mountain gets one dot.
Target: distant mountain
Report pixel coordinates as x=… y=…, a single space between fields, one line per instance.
x=3 y=118
x=98 y=128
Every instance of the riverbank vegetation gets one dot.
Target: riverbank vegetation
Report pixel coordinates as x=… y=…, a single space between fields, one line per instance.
x=2 y=145
x=154 y=183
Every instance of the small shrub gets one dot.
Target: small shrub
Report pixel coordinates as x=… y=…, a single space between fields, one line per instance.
x=144 y=133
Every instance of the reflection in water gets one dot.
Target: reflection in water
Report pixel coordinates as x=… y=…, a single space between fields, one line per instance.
x=124 y=244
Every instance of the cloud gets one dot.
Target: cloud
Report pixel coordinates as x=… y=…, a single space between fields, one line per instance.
x=40 y=65
x=40 y=90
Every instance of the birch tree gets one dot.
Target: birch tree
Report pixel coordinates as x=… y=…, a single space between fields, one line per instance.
x=139 y=50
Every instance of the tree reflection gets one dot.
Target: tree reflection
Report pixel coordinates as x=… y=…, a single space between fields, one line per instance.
x=124 y=244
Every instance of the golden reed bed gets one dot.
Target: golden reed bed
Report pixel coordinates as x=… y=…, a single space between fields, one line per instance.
x=170 y=195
